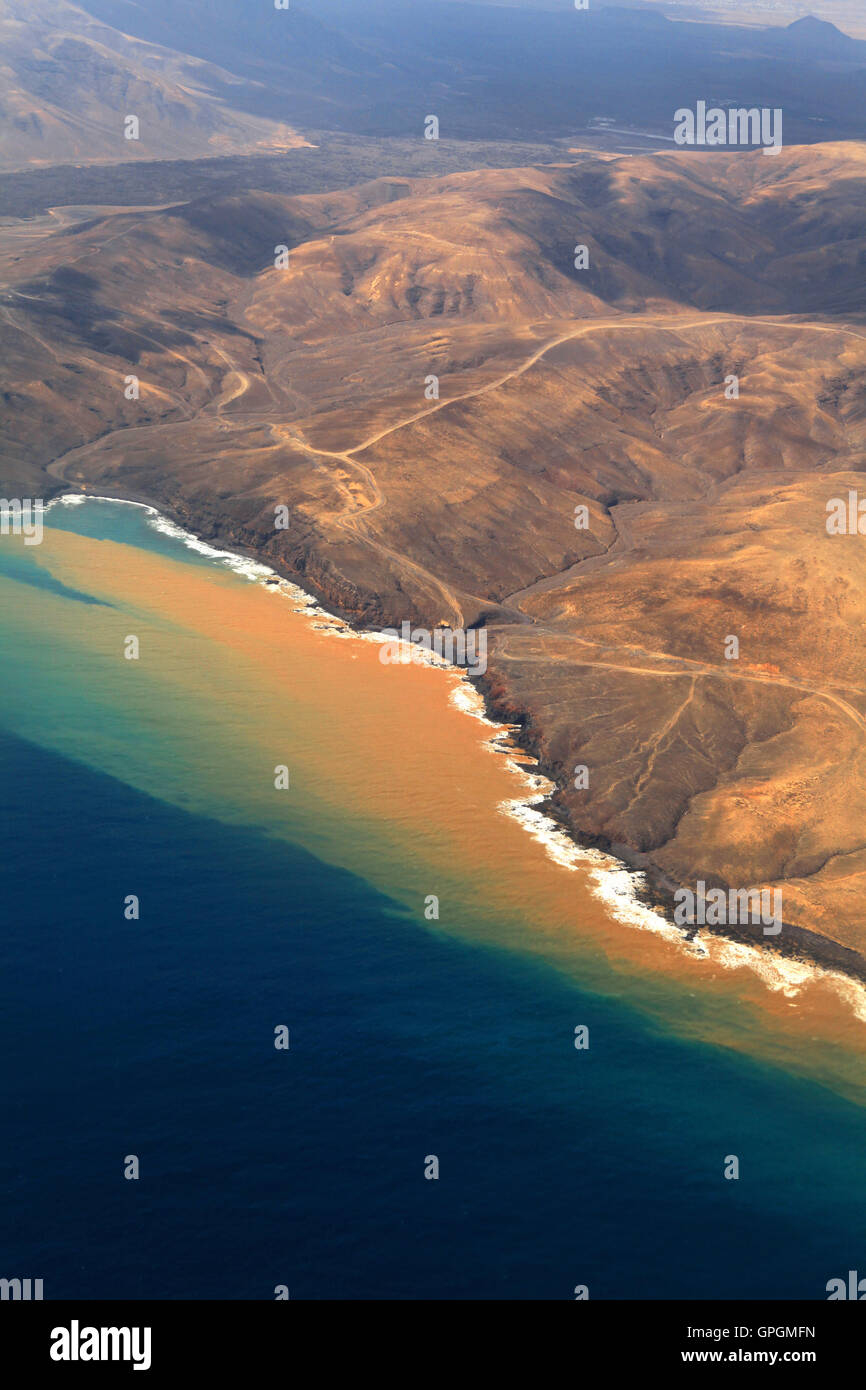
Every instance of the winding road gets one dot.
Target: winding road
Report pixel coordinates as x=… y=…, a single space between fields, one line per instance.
x=355 y=513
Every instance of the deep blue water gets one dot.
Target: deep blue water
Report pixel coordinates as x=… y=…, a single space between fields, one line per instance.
x=305 y=1167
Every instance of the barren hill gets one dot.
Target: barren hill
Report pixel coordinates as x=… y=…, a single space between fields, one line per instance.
x=68 y=83
x=606 y=388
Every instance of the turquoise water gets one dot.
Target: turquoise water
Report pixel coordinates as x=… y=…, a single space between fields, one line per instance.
x=305 y=1167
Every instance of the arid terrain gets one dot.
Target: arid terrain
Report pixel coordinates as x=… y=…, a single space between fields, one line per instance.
x=68 y=83
x=211 y=78
x=560 y=389
x=847 y=14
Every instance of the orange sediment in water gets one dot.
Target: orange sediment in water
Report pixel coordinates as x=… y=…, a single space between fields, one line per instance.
x=390 y=777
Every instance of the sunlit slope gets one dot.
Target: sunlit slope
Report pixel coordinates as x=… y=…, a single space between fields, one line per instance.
x=438 y=394
x=69 y=83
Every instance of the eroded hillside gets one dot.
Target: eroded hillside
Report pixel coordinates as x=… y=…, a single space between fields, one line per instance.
x=692 y=399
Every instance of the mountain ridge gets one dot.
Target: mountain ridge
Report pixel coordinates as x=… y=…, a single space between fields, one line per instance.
x=559 y=389
x=68 y=83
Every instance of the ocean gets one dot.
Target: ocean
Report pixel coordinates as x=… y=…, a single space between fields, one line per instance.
x=412 y=1035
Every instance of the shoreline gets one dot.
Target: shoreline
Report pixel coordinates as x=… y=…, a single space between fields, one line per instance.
x=635 y=890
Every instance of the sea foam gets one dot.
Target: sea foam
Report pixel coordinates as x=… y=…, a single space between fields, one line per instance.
x=611 y=881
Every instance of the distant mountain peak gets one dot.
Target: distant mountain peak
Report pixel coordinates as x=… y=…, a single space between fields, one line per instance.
x=811 y=22
x=813 y=30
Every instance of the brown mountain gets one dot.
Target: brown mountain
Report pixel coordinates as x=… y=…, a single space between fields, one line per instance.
x=68 y=83
x=560 y=388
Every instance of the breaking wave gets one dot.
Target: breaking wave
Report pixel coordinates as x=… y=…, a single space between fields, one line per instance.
x=611 y=881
